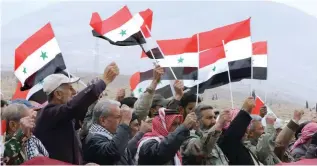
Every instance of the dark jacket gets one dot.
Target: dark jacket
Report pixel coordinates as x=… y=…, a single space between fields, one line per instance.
x=133 y=143
x=55 y=124
x=231 y=143
x=101 y=150
x=153 y=152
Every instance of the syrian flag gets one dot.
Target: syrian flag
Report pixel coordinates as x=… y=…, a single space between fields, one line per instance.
x=38 y=57
x=259 y=60
x=181 y=55
x=236 y=40
x=34 y=94
x=122 y=29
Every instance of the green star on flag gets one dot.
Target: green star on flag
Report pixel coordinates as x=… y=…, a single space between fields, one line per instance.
x=140 y=90
x=43 y=55
x=214 y=69
x=24 y=70
x=180 y=60
x=123 y=32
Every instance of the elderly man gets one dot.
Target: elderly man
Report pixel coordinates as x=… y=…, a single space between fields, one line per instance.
x=20 y=145
x=55 y=123
x=107 y=141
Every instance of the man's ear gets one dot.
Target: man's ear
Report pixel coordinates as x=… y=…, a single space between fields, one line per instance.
x=13 y=126
x=58 y=94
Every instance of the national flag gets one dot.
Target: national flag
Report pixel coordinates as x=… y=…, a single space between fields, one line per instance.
x=258 y=105
x=34 y=94
x=259 y=60
x=122 y=28
x=38 y=57
x=236 y=40
x=181 y=55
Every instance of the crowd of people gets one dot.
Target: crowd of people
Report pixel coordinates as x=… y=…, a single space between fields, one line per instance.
x=89 y=128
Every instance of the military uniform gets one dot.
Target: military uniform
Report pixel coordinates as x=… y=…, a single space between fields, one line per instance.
x=209 y=152
x=14 y=153
x=263 y=148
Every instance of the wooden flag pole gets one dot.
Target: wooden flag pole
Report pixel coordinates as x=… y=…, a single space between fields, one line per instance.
x=223 y=43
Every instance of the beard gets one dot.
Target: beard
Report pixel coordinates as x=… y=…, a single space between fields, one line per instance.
x=204 y=127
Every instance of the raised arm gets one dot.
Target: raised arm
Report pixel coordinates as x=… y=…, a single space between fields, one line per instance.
x=266 y=142
x=143 y=104
x=285 y=136
x=77 y=107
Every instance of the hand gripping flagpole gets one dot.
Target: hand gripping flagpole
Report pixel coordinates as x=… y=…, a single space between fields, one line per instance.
x=197 y=84
x=223 y=43
x=147 y=28
x=171 y=84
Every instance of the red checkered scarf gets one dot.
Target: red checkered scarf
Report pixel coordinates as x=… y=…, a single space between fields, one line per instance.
x=161 y=124
x=307 y=133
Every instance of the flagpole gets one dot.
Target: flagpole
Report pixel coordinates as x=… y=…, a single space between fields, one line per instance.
x=197 y=84
x=223 y=43
x=159 y=49
x=96 y=54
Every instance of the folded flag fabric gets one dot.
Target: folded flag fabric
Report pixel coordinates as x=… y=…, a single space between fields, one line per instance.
x=258 y=105
x=35 y=94
x=38 y=57
x=183 y=58
x=122 y=28
x=259 y=60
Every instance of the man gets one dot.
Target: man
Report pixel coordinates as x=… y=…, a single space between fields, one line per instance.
x=162 y=145
x=107 y=141
x=55 y=123
x=263 y=111
x=20 y=121
x=188 y=103
x=284 y=138
x=262 y=143
x=231 y=142
x=201 y=148
x=158 y=102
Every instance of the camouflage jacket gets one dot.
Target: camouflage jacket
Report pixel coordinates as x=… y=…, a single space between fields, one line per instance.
x=263 y=148
x=14 y=153
x=201 y=149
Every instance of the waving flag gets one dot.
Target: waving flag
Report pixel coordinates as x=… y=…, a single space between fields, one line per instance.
x=259 y=60
x=34 y=94
x=38 y=57
x=122 y=28
x=181 y=55
x=236 y=40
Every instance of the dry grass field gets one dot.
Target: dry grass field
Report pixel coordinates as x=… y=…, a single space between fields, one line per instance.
x=281 y=108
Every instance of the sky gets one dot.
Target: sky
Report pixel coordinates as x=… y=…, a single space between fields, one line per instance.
x=12 y=10
x=9 y=8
